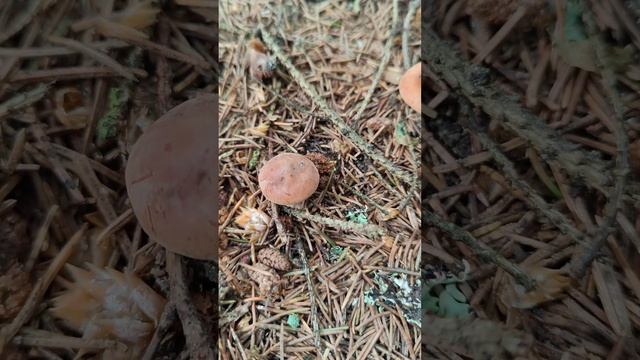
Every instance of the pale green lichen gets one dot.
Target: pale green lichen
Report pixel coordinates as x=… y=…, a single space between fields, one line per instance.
x=293 y=320
x=358 y=216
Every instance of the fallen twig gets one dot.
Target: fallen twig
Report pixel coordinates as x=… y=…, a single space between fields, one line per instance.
x=365 y=229
x=198 y=339
x=588 y=252
x=473 y=82
x=484 y=252
x=24 y=99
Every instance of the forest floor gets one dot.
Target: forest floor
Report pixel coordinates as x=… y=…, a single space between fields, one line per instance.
x=531 y=170
x=79 y=83
x=353 y=289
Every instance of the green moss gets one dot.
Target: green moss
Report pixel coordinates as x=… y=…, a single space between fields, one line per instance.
x=107 y=127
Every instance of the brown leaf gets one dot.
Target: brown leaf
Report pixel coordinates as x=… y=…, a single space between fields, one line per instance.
x=550 y=285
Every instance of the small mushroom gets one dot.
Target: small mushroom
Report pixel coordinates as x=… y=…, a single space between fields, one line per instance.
x=288 y=179
x=170 y=179
x=261 y=65
x=410 y=87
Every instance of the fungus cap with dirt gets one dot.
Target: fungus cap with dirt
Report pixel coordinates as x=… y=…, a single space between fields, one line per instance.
x=171 y=182
x=410 y=87
x=288 y=179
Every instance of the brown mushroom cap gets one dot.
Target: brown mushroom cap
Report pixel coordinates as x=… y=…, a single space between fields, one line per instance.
x=171 y=182
x=288 y=179
x=410 y=87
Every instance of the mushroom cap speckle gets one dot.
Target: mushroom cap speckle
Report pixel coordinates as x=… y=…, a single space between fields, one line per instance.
x=410 y=87
x=288 y=179
x=171 y=181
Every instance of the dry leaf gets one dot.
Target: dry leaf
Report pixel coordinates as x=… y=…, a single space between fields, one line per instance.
x=391 y=213
x=550 y=285
x=105 y=303
x=254 y=221
x=388 y=241
x=260 y=130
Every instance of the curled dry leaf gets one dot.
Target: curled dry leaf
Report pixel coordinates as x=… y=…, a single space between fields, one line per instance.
x=254 y=221
x=261 y=65
x=260 y=130
x=105 y=303
x=274 y=259
x=550 y=285
x=391 y=213
x=15 y=286
x=267 y=279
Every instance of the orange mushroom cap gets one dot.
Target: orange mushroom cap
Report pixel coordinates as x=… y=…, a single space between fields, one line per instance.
x=171 y=182
x=288 y=179
x=261 y=65
x=410 y=87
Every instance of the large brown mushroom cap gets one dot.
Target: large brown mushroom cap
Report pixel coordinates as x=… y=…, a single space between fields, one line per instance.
x=171 y=182
x=410 y=87
x=288 y=179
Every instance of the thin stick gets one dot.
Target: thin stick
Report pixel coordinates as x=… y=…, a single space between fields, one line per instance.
x=365 y=229
x=41 y=237
x=24 y=99
x=386 y=56
x=196 y=334
x=16 y=151
x=98 y=56
x=69 y=73
x=312 y=296
x=501 y=34
x=532 y=196
x=166 y=320
x=411 y=12
x=580 y=264
x=472 y=82
x=53 y=340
